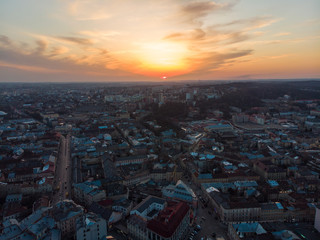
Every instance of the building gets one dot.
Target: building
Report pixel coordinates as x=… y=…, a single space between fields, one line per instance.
x=137 y=178
x=122 y=205
x=234 y=210
x=149 y=207
x=245 y=231
x=14 y=198
x=165 y=172
x=219 y=128
x=87 y=193
x=137 y=227
x=240 y=118
x=137 y=159
x=35 y=226
x=155 y=219
x=91 y=227
x=258 y=119
x=269 y=171
x=271 y=212
x=66 y=213
x=172 y=223
x=317 y=219
x=180 y=191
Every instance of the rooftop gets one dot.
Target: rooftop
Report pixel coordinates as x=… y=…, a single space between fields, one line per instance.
x=169 y=219
x=141 y=207
x=66 y=209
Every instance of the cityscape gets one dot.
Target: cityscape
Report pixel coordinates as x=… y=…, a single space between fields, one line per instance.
x=160 y=161
x=160 y=120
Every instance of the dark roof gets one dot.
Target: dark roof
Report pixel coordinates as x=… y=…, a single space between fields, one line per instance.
x=133 y=157
x=147 y=202
x=105 y=213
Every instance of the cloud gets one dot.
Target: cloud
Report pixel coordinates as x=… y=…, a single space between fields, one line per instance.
x=15 y=64
x=281 y=56
x=222 y=34
x=57 y=51
x=5 y=40
x=199 y=9
x=200 y=38
x=193 y=35
x=284 y=41
x=236 y=37
x=79 y=10
x=192 y=12
x=29 y=68
x=94 y=17
x=77 y=40
x=41 y=46
x=282 y=34
x=97 y=34
x=44 y=58
x=249 y=23
x=213 y=60
x=50 y=55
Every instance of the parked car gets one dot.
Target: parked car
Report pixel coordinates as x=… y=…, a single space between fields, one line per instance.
x=198 y=227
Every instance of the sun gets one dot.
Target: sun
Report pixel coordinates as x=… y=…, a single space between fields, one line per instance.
x=158 y=57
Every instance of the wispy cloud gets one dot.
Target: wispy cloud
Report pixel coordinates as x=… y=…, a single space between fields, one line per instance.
x=58 y=51
x=249 y=24
x=209 y=36
x=45 y=58
x=200 y=9
x=79 y=10
x=77 y=40
x=29 y=68
x=282 y=34
x=214 y=60
x=194 y=12
x=41 y=46
x=281 y=56
x=5 y=40
x=100 y=34
x=192 y=35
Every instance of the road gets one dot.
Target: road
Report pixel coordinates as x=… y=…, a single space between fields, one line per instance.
x=63 y=182
x=206 y=218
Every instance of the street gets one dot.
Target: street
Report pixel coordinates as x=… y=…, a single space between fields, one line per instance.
x=206 y=218
x=63 y=172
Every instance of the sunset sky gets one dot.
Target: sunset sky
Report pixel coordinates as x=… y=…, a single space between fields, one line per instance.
x=148 y=40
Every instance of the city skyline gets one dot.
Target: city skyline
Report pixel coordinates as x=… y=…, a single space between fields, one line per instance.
x=92 y=41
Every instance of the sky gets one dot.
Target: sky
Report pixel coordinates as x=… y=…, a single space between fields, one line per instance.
x=158 y=40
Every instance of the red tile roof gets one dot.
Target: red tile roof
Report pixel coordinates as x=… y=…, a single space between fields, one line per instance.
x=169 y=219
x=106 y=202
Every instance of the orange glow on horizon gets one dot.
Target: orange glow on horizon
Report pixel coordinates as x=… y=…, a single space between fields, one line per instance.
x=158 y=57
x=183 y=40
